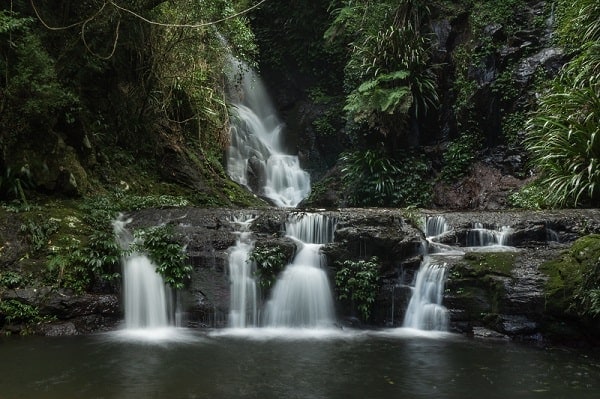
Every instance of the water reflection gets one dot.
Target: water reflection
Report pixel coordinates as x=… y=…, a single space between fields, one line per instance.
x=285 y=363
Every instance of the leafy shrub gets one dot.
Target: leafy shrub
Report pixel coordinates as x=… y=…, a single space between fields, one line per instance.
x=388 y=75
x=374 y=179
x=270 y=261
x=564 y=141
x=18 y=312
x=357 y=281
x=10 y=279
x=458 y=157
x=39 y=232
x=530 y=196
x=161 y=245
x=77 y=265
x=379 y=95
x=33 y=94
x=563 y=134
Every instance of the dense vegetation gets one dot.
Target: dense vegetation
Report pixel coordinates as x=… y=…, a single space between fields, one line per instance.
x=564 y=131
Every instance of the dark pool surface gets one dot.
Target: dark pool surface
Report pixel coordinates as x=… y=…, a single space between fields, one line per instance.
x=265 y=363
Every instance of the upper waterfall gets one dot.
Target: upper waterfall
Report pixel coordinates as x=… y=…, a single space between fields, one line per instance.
x=256 y=157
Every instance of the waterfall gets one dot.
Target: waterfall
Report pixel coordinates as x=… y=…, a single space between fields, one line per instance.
x=435 y=226
x=302 y=295
x=145 y=295
x=425 y=310
x=243 y=301
x=479 y=236
x=256 y=157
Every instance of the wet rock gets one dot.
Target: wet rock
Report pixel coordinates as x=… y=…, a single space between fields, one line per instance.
x=482 y=332
x=549 y=58
x=514 y=325
x=256 y=174
x=495 y=31
x=74 y=314
x=57 y=329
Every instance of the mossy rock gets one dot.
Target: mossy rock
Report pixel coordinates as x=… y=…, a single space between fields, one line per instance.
x=574 y=280
x=479 y=264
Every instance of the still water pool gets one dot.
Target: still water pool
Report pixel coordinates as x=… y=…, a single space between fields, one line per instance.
x=264 y=364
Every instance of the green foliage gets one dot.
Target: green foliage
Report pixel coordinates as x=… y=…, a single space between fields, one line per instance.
x=573 y=283
x=374 y=179
x=10 y=279
x=38 y=232
x=531 y=196
x=77 y=265
x=502 y=12
x=162 y=246
x=33 y=94
x=270 y=261
x=564 y=141
x=563 y=132
x=578 y=22
x=379 y=95
x=513 y=125
x=357 y=281
x=15 y=311
x=458 y=157
x=87 y=250
x=388 y=75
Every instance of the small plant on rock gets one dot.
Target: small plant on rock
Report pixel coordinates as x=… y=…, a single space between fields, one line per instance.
x=270 y=261
x=162 y=246
x=357 y=281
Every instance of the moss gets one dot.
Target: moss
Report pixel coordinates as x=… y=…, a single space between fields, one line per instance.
x=573 y=276
x=477 y=282
x=483 y=263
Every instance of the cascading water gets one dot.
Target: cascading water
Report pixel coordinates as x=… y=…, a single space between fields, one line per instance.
x=435 y=226
x=145 y=294
x=256 y=156
x=243 y=302
x=479 y=236
x=425 y=310
x=302 y=295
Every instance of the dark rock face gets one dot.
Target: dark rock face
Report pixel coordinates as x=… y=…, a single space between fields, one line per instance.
x=72 y=314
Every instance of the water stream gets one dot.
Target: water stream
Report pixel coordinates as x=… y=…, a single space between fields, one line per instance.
x=256 y=157
x=425 y=310
x=243 y=298
x=146 y=297
x=480 y=236
x=302 y=295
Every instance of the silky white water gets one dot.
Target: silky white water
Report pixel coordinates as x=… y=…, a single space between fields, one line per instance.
x=302 y=295
x=435 y=226
x=145 y=295
x=479 y=236
x=425 y=310
x=256 y=157
x=243 y=295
